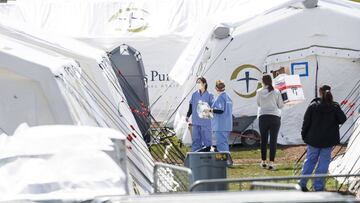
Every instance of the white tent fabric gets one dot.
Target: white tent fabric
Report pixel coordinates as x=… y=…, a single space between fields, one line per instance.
x=75 y=97
x=348 y=162
x=233 y=19
x=58 y=161
x=142 y=23
x=262 y=44
x=159 y=29
x=113 y=18
x=23 y=88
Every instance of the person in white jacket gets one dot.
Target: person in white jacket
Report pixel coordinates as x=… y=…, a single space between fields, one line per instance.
x=269 y=102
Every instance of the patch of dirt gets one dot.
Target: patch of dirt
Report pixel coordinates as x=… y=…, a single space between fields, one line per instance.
x=291 y=154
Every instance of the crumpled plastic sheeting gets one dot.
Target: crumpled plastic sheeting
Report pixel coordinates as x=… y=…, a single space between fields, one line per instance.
x=76 y=169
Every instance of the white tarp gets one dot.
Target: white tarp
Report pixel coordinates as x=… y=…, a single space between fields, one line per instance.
x=55 y=162
x=293 y=36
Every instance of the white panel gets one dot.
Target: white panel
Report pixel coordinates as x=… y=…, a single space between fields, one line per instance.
x=21 y=101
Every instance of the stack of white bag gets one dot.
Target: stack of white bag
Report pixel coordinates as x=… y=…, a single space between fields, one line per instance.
x=290 y=88
x=50 y=162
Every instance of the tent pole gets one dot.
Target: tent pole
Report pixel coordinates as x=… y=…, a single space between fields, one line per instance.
x=316 y=76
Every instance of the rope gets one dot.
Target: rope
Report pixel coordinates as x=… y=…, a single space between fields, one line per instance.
x=110 y=117
x=135 y=97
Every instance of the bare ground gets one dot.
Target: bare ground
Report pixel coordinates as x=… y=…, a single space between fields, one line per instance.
x=290 y=154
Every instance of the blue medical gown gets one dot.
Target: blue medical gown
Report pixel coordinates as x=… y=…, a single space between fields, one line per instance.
x=201 y=128
x=195 y=98
x=223 y=121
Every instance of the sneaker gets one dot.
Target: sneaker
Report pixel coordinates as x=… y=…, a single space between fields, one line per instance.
x=263 y=164
x=272 y=167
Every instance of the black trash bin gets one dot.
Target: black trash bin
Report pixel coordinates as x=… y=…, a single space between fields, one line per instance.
x=208 y=165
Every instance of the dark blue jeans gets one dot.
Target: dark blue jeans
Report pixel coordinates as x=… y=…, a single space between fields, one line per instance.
x=321 y=157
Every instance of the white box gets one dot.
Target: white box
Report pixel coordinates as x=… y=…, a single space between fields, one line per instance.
x=290 y=88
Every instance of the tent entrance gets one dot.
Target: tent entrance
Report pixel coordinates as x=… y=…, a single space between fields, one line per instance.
x=316 y=66
x=128 y=65
x=306 y=68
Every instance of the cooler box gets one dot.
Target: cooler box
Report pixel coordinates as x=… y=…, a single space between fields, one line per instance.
x=290 y=88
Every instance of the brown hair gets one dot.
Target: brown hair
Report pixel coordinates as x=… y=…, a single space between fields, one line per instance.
x=220 y=85
x=266 y=79
x=203 y=80
x=326 y=95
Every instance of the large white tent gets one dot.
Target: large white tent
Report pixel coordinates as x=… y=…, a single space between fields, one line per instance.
x=257 y=38
x=306 y=40
x=30 y=90
x=42 y=86
x=263 y=36
x=159 y=29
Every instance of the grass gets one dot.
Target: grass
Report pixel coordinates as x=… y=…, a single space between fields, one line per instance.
x=254 y=170
x=247 y=166
x=238 y=152
x=246 y=161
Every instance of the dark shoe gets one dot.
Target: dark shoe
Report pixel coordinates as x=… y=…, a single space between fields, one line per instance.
x=304 y=189
x=204 y=149
x=272 y=167
x=263 y=165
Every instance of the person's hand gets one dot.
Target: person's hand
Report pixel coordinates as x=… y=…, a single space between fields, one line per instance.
x=187 y=119
x=207 y=111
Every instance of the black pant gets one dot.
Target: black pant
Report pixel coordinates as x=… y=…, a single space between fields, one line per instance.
x=269 y=124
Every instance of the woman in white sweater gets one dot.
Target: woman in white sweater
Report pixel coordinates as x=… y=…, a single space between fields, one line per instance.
x=270 y=102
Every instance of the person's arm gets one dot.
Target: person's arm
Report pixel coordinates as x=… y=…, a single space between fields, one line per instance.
x=211 y=99
x=340 y=115
x=219 y=106
x=258 y=98
x=189 y=112
x=306 y=123
x=217 y=111
x=279 y=101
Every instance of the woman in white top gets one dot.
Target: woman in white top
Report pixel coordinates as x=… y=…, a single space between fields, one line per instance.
x=270 y=102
